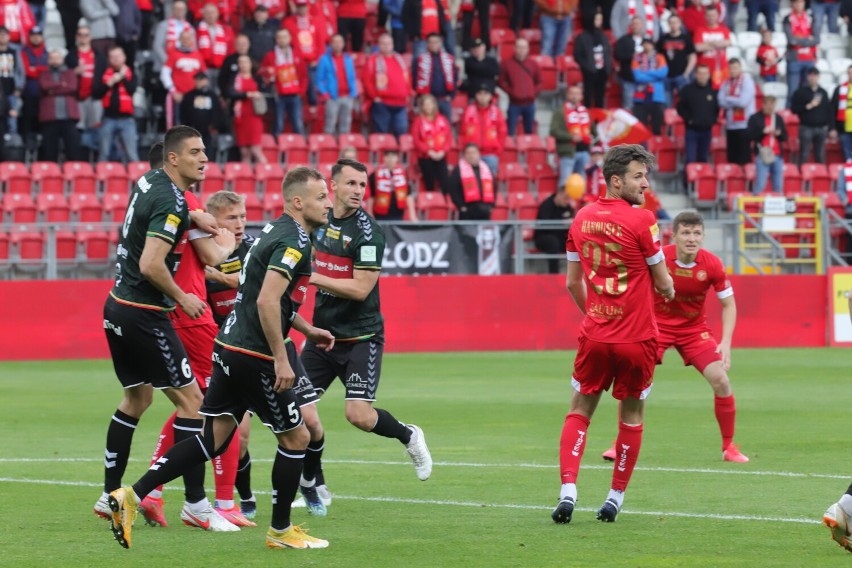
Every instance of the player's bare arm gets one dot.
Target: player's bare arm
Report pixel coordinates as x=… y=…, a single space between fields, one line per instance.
x=321 y=337
x=204 y=221
x=729 y=321
x=269 y=311
x=152 y=265
x=215 y=250
x=356 y=288
x=663 y=283
x=576 y=283
x=215 y=275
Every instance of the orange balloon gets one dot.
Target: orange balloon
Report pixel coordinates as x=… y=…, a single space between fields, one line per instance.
x=575 y=186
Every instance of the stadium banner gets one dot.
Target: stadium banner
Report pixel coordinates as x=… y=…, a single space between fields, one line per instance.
x=449 y=249
x=63 y=319
x=839 y=288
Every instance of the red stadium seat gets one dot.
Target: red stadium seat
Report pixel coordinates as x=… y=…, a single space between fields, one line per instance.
x=546 y=179
x=325 y=170
x=254 y=208
x=791 y=122
x=86 y=207
x=509 y=153
x=792 y=180
x=273 y=204
x=28 y=248
x=270 y=148
x=48 y=177
x=674 y=124
x=515 y=177
x=500 y=211
x=703 y=184
x=53 y=207
x=323 y=148
x=137 y=169
x=548 y=72
x=240 y=178
x=360 y=144
x=432 y=206
x=15 y=178
x=214 y=179
x=4 y=251
x=816 y=178
x=732 y=180
x=80 y=177
x=270 y=177
x=112 y=176
x=19 y=208
x=664 y=149
x=833 y=152
x=96 y=249
x=66 y=251
x=532 y=149
x=568 y=72
x=533 y=36
x=523 y=205
x=294 y=147
x=499 y=16
x=406 y=147
x=719 y=150
x=115 y=206
x=503 y=41
x=379 y=143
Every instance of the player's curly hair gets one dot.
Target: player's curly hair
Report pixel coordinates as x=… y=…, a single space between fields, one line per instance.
x=618 y=159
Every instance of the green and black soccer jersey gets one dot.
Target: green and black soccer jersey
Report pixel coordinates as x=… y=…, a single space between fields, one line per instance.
x=283 y=246
x=220 y=297
x=343 y=246
x=158 y=209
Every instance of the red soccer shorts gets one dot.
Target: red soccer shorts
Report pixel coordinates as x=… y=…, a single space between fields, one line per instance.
x=198 y=342
x=627 y=367
x=696 y=346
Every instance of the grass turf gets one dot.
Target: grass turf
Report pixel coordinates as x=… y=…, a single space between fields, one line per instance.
x=492 y=421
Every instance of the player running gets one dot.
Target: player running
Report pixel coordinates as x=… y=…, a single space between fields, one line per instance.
x=146 y=351
x=349 y=252
x=252 y=365
x=614 y=266
x=683 y=322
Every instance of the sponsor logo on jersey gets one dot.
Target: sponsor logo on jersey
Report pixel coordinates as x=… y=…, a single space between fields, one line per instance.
x=368 y=254
x=702 y=275
x=172 y=224
x=332 y=233
x=655 y=232
x=231 y=267
x=685 y=272
x=355 y=380
x=291 y=257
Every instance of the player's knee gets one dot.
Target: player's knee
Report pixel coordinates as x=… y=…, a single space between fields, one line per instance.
x=137 y=401
x=295 y=439
x=312 y=423
x=361 y=418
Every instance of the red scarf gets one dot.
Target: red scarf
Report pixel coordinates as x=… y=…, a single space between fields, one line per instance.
x=424 y=71
x=649 y=14
x=470 y=187
x=244 y=85
x=174 y=28
x=577 y=121
x=286 y=72
x=429 y=22
x=435 y=132
x=125 y=101
x=481 y=127
x=388 y=183
x=801 y=27
x=735 y=86
x=843 y=103
x=213 y=43
x=770 y=139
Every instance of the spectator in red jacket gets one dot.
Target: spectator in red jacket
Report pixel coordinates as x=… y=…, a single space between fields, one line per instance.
x=115 y=88
x=309 y=41
x=351 y=21
x=178 y=74
x=286 y=72
x=433 y=138
x=387 y=89
x=58 y=109
x=483 y=124
x=34 y=58
x=215 y=41
x=17 y=17
x=248 y=122
x=520 y=78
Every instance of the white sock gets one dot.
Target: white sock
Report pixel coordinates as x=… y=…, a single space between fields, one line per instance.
x=846 y=504
x=305 y=483
x=200 y=507
x=225 y=505
x=568 y=490
x=617 y=496
x=155 y=494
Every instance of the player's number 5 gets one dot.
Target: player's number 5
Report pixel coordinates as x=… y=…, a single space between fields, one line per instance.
x=613 y=285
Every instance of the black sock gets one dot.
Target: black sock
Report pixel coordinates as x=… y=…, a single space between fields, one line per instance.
x=286 y=472
x=193 y=475
x=313 y=460
x=320 y=476
x=390 y=427
x=190 y=453
x=119 y=438
x=243 y=481
x=849 y=491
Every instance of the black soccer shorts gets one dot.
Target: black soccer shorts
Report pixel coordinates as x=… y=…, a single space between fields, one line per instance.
x=357 y=364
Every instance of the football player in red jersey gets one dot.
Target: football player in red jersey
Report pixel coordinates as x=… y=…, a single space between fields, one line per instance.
x=683 y=322
x=614 y=265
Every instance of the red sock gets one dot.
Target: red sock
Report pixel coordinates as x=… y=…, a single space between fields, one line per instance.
x=726 y=416
x=571 y=446
x=165 y=441
x=225 y=470
x=626 y=453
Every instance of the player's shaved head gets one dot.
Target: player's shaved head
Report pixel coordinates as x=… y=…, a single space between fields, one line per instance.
x=155 y=155
x=687 y=218
x=223 y=199
x=176 y=136
x=618 y=159
x=296 y=181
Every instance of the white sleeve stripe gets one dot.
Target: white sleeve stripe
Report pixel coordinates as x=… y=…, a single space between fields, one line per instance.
x=657 y=258
x=726 y=293
x=198 y=234
x=572 y=256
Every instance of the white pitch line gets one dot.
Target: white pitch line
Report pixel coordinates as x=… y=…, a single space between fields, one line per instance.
x=446 y=503
x=791 y=474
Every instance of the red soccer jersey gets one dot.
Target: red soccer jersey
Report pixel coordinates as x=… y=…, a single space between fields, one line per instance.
x=615 y=243
x=190 y=273
x=691 y=284
x=184 y=66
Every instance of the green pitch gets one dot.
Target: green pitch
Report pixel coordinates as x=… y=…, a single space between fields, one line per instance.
x=493 y=423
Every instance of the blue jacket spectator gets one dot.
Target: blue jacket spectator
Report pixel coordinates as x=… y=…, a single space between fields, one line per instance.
x=338 y=97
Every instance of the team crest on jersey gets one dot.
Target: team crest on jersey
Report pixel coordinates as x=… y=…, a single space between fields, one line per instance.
x=172 y=224
x=346 y=241
x=291 y=257
x=702 y=275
